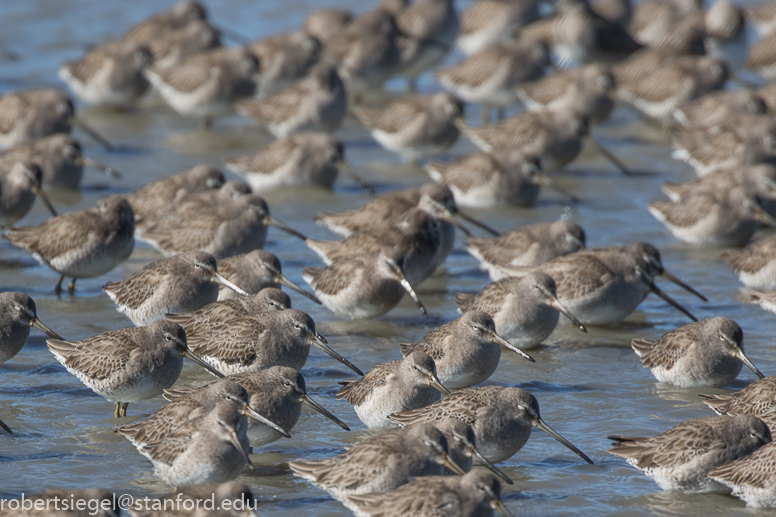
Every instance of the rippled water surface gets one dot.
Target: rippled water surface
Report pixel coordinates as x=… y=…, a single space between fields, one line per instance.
x=588 y=385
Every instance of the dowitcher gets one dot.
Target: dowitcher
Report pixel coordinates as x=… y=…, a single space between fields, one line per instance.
x=278 y=393
x=716 y=107
x=755 y=265
x=491 y=76
x=230 y=228
x=706 y=353
x=675 y=27
x=323 y=24
x=128 y=365
x=193 y=405
x=181 y=283
x=392 y=205
x=656 y=85
x=762 y=16
x=183 y=13
x=174 y=46
x=82 y=244
x=110 y=74
x=614 y=11
x=761 y=58
x=680 y=458
x=362 y=286
x=302 y=159
x=712 y=218
x=488 y=22
x=427 y=32
x=466 y=351
x=380 y=463
x=251 y=343
x=391 y=387
x=285 y=58
x=765 y=299
x=751 y=478
x=475 y=494
x=210 y=449
x=739 y=140
x=158 y=198
x=20 y=185
x=484 y=180
x=589 y=86
x=233 y=498
x=758 y=399
x=17 y=315
x=502 y=419
x=461 y=442
x=554 y=137
x=529 y=245
x=415 y=127
x=314 y=103
x=217 y=314
x=255 y=271
x=207 y=85
x=525 y=310
x=366 y=52
x=59 y=157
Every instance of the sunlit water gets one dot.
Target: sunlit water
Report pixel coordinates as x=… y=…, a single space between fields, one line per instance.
x=588 y=385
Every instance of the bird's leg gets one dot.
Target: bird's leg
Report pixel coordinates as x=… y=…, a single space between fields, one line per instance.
x=205 y=124
x=485 y=114
x=116 y=412
x=412 y=84
x=58 y=288
x=500 y=113
x=71 y=287
x=124 y=409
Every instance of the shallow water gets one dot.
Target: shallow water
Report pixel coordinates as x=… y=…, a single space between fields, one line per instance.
x=588 y=385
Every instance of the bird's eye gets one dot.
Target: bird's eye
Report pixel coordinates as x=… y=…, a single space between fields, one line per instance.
x=287 y=384
x=168 y=338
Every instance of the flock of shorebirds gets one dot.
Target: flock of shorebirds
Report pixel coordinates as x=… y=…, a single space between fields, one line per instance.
x=215 y=298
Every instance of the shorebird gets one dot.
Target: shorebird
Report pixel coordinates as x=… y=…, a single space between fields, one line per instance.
x=761 y=58
x=255 y=271
x=589 y=87
x=59 y=157
x=466 y=351
x=525 y=310
x=492 y=75
x=743 y=139
x=380 y=463
x=217 y=314
x=362 y=286
x=758 y=399
x=366 y=52
x=680 y=458
x=762 y=17
x=193 y=405
x=181 y=283
x=158 y=198
x=314 y=103
x=427 y=32
x=461 y=442
x=110 y=74
x=714 y=108
x=174 y=46
x=285 y=58
x=603 y=286
x=502 y=419
x=483 y=180
x=554 y=137
x=750 y=478
x=179 y=16
x=301 y=159
x=529 y=245
x=415 y=127
x=708 y=353
x=20 y=185
x=476 y=493
x=655 y=83
x=207 y=85
x=128 y=365
x=232 y=227
x=392 y=205
x=755 y=264
x=103 y=503
x=726 y=34
x=254 y=342
x=233 y=498
x=82 y=244
x=717 y=218
x=323 y=24
x=278 y=394
x=210 y=449
x=17 y=315
x=391 y=387
x=765 y=299
x=488 y=22
x=675 y=27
